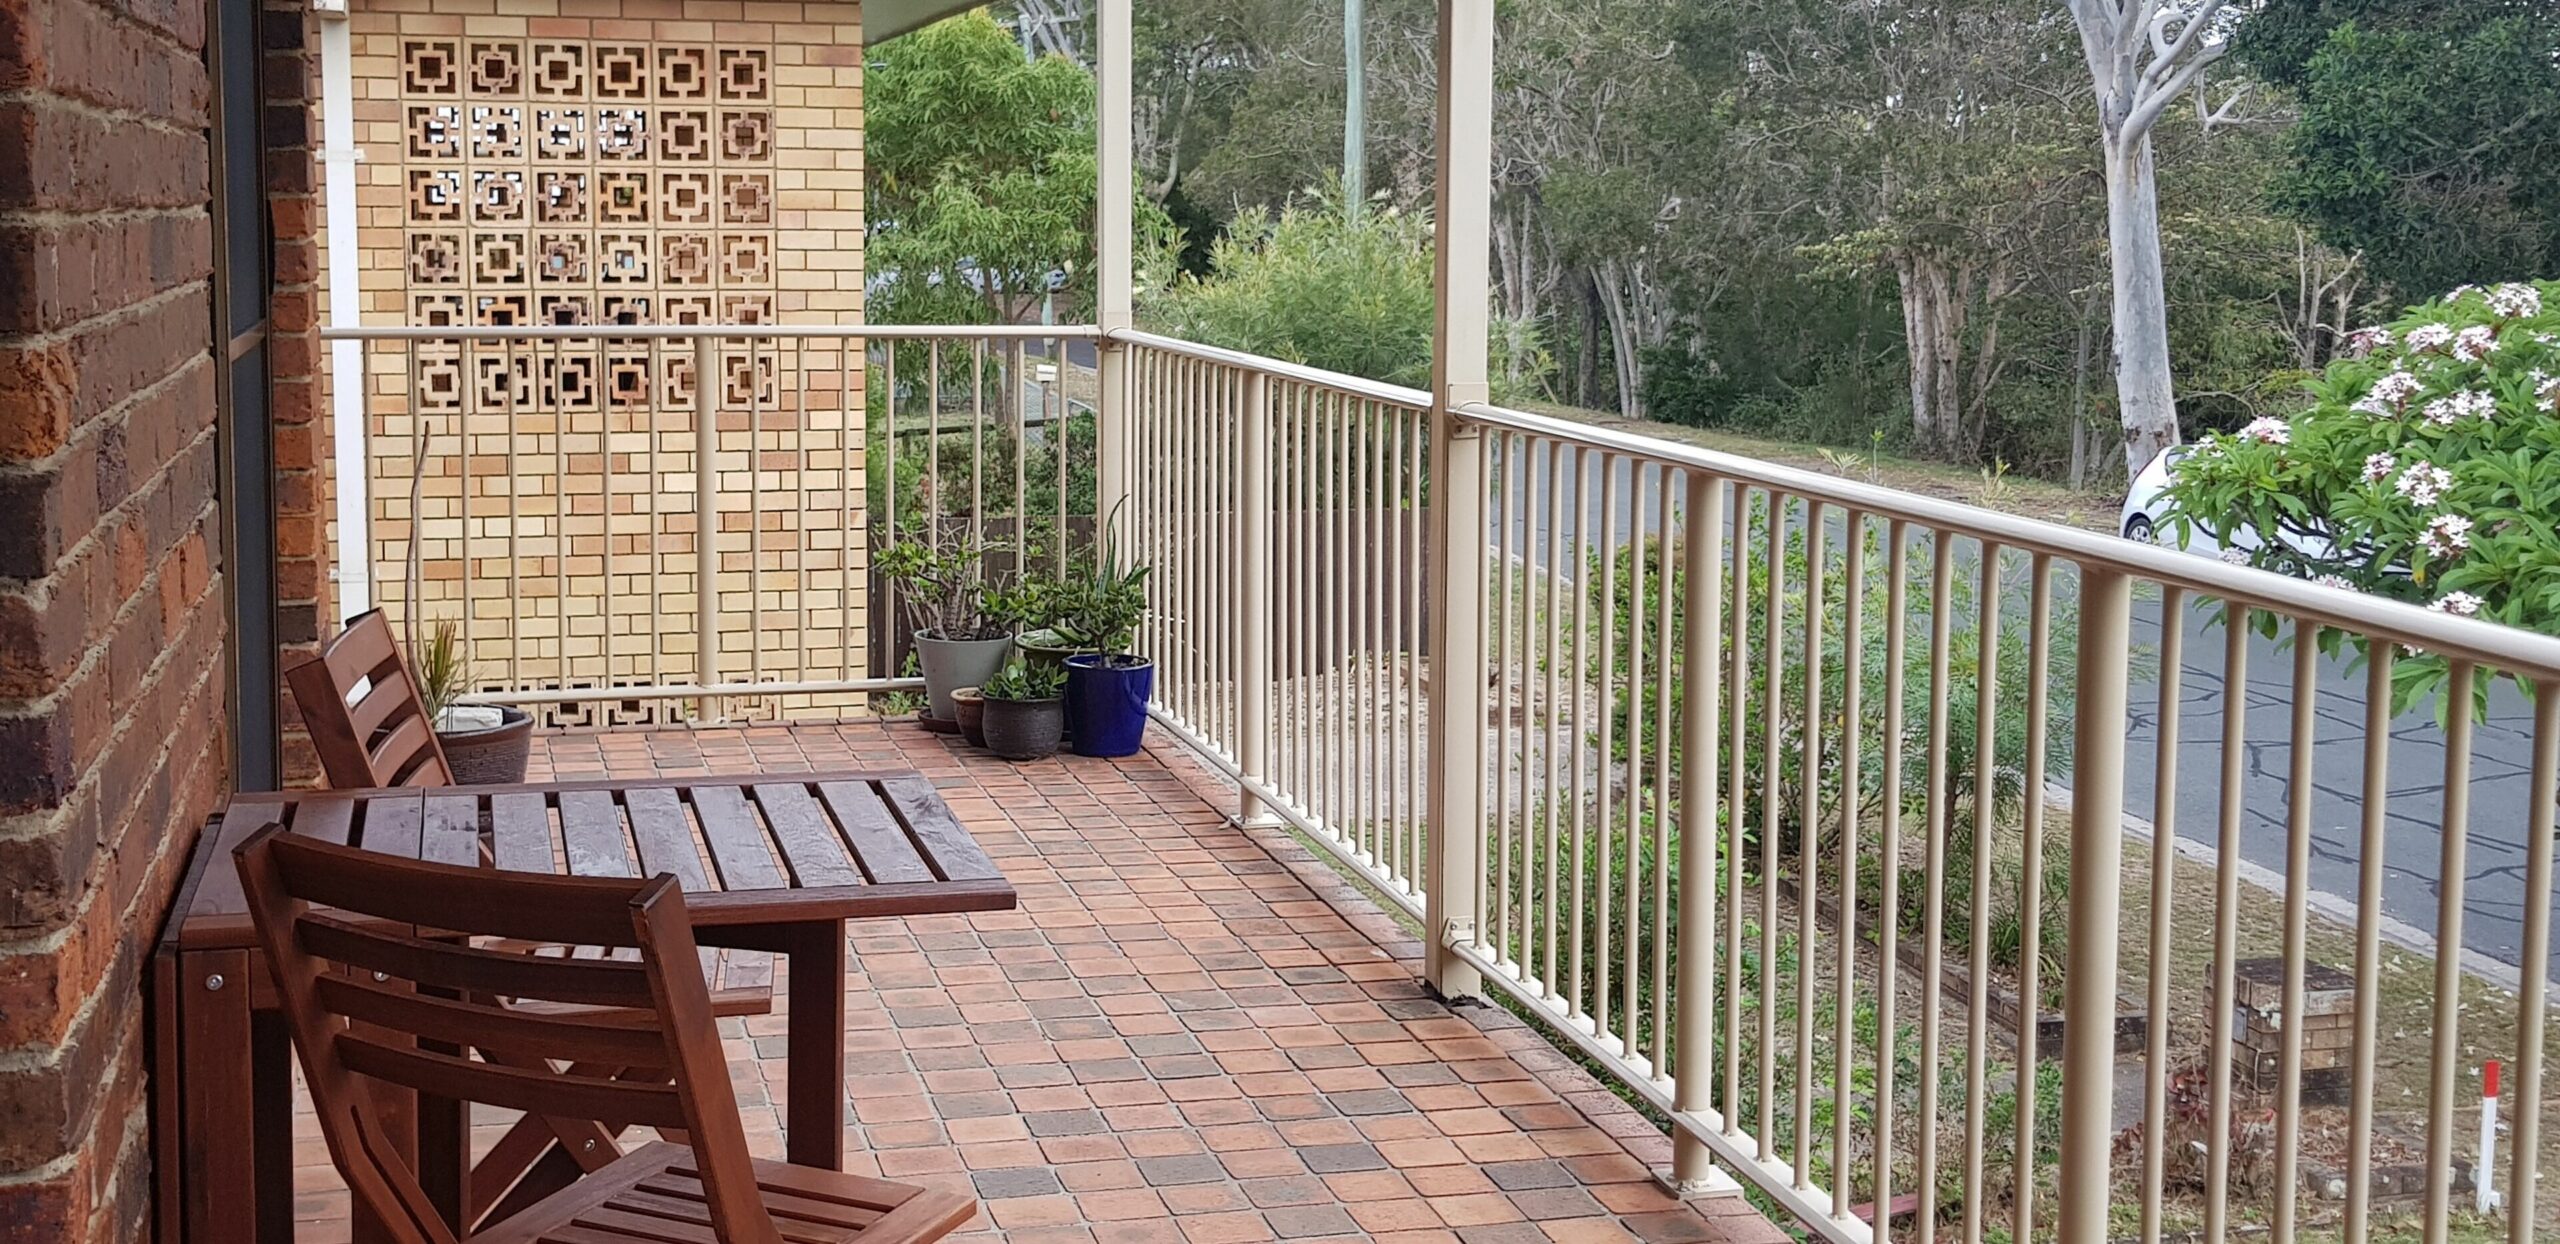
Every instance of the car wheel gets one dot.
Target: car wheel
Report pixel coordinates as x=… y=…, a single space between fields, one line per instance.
x=2139 y=527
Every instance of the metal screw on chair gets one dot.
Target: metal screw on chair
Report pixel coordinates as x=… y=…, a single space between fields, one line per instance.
x=214 y=981
x=382 y=976
x=590 y=1144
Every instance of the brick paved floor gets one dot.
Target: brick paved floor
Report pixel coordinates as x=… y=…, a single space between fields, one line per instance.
x=1187 y=1032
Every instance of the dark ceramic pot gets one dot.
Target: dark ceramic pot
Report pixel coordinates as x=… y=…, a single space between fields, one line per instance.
x=1024 y=729
x=490 y=756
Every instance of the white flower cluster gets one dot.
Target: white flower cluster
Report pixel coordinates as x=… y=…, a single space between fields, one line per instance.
x=2378 y=467
x=2430 y=337
x=2475 y=344
x=2338 y=581
x=2268 y=430
x=2546 y=392
x=2236 y=557
x=2446 y=535
x=2459 y=604
x=2444 y=412
x=2424 y=484
x=2364 y=341
x=2516 y=301
x=2389 y=395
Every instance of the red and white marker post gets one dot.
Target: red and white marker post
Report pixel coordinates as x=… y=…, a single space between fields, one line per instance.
x=2484 y=1198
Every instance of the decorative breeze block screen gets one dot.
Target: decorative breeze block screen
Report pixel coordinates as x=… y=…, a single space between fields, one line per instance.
x=598 y=182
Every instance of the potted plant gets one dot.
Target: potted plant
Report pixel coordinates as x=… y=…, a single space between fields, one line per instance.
x=1025 y=711
x=1107 y=686
x=964 y=624
x=484 y=744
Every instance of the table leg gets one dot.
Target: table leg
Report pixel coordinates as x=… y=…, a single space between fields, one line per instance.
x=217 y=1104
x=271 y=1084
x=814 y=1107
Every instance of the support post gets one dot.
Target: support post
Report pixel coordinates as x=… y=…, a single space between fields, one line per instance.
x=1115 y=189
x=2097 y=849
x=1701 y=739
x=706 y=516
x=1462 y=246
x=351 y=560
x=1253 y=599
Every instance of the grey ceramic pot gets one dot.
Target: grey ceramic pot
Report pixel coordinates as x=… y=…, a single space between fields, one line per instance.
x=950 y=664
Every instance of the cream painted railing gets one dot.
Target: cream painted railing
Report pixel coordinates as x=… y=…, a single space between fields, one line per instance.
x=1938 y=872
x=1735 y=718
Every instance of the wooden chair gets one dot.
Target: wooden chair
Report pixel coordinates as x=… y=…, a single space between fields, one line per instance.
x=361 y=703
x=373 y=993
x=369 y=724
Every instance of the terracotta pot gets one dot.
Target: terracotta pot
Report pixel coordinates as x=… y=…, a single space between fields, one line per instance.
x=970 y=708
x=492 y=755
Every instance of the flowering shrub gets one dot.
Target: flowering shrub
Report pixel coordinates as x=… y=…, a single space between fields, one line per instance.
x=2426 y=469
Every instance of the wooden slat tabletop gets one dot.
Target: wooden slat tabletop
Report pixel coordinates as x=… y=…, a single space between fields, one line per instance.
x=750 y=850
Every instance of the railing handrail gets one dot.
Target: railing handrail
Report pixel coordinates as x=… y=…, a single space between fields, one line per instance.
x=688 y=332
x=2509 y=649
x=1375 y=390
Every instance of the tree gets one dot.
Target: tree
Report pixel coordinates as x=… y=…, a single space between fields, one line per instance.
x=2428 y=132
x=2143 y=55
x=981 y=179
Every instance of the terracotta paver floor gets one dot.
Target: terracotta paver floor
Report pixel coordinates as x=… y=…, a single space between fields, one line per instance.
x=1187 y=1032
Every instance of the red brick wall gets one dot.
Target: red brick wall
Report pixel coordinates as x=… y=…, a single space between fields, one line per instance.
x=305 y=602
x=112 y=626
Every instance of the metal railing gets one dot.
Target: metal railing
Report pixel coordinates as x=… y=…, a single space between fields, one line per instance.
x=1804 y=813
x=1883 y=844
x=540 y=487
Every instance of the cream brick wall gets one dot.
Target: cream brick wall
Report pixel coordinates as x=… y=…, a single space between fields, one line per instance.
x=598 y=161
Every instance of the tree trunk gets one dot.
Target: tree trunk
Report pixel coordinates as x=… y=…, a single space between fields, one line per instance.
x=1921 y=342
x=2082 y=349
x=2145 y=390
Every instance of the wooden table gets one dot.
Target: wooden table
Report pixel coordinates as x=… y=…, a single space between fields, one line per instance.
x=770 y=862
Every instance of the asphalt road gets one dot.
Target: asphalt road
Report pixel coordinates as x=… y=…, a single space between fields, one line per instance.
x=2492 y=863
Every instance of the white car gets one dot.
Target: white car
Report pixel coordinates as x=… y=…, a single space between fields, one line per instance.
x=2146 y=518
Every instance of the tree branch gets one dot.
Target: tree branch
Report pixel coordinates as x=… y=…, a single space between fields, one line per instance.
x=2150 y=104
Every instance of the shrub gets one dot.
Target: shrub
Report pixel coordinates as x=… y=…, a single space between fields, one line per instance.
x=2425 y=469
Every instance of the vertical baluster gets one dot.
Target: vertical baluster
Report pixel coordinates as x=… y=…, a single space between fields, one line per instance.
x=888 y=436
x=2534 y=966
x=1809 y=837
x=933 y=503
x=2164 y=859
x=1658 y=930
x=978 y=443
x=1576 y=1003
x=1897 y=621
x=1548 y=814
x=2226 y=917
x=1933 y=918
x=2297 y=888
x=1977 y=1035
x=1773 y=676
x=1630 y=978
x=1605 y=821
x=1498 y=916
x=1852 y=745
x=511 y=479
x=2446 y=1067
x=2031 y=884
x=1416 y=456
x=1736 y=795
x=754 y=504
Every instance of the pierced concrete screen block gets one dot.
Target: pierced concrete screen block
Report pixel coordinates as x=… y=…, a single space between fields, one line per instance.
x=618 y=169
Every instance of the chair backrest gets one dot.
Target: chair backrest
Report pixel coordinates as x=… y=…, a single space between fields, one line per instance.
x=379 y=980
x=361 y=703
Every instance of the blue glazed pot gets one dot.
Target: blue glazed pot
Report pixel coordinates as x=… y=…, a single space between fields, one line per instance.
x=1107 y=704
